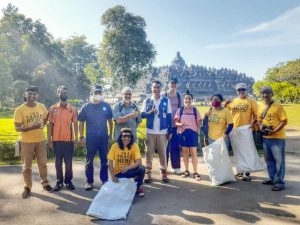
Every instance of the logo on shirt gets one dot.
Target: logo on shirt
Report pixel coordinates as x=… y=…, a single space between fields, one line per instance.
x=34 y=117
x=214 y=118
x=241 y=107
x=125 y=157
x=104 y=108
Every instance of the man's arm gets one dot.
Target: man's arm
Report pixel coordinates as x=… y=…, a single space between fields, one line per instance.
x=110 y=124
x=81 y=129
x=111 y=170
x=76 y=130
x=19 y=128
x=49 y=133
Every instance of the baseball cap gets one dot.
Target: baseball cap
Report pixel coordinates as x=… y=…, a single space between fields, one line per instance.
x=97 y=87
x=241 y=85
x=173 y=80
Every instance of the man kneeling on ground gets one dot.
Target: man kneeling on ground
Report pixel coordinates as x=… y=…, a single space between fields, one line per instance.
x=124 y=160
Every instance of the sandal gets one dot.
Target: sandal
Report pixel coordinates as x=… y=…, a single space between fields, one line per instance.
x=185 y=174
x=197 y=176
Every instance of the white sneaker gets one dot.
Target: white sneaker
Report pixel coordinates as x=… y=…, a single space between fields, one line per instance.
x=177 y=171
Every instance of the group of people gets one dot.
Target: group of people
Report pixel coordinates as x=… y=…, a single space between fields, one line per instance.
x=172 y=123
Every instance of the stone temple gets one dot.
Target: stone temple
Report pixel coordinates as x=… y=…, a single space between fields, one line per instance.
x=201 y=81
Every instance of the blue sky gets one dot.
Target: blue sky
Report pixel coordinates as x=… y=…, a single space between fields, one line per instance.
x=249 y=36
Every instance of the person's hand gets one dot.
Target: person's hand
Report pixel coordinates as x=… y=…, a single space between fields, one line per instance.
x=50 y=144
x=36 y=126
x=225 y=136
x=135 y=114
x=110 y=137
x=227 y=101
x=154 y=110
x=124 y=169
x=82 y=141
x=115 y=179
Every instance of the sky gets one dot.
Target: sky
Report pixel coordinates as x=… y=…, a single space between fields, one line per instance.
x=248 y=36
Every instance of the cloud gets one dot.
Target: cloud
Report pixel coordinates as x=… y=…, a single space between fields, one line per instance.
x=288 y=20
x=281 y=31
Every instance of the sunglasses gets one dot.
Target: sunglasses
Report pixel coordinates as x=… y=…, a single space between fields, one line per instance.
x=126 y=135
x=241 y=89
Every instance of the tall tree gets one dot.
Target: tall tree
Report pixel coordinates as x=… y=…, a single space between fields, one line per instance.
x=125 y=53
x=79 y=54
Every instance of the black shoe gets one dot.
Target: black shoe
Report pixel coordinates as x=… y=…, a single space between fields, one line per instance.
x=70 y=186
x=48 y=188
x=58 y=186
x=26 y=192
x=246 y=177
x=267 y=182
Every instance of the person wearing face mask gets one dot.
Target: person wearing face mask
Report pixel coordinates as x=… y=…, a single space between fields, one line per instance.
x=188 y=121
x=29 y=119
x=126 y=114
x=95 y=114
x=219 y=121
x=272 y=119
x=61 y=129
x=125 y=161
x=244 y=112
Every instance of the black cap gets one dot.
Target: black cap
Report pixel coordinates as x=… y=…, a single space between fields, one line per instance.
x=97 y=87
x=173 y=80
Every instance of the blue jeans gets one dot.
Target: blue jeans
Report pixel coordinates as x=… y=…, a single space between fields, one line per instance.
x=94 y=145
x=173 y=150
x=274 y=152
x=137 y=173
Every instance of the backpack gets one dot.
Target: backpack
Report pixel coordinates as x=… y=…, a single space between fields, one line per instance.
x=178 y=97
x=194 y=111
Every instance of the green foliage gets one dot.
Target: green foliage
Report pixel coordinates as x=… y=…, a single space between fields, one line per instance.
x=284 y=80
x=125 y=54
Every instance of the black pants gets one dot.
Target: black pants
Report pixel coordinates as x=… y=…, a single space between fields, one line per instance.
x=63 y=151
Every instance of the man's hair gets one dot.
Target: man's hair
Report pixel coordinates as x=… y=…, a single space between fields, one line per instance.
x=156 y=82
x=120 y=141
x=32 y=88
x=61 y=87
x=125 y=89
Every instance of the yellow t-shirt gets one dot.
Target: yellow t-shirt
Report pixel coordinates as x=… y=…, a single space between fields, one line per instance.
x=28 y=116
x=124 y=157
x=275 y=115
x=217 y=123
x=242 y=111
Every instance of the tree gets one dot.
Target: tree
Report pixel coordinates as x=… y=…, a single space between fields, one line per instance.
x=124 y=54
x=79 y=54
x=94 y=73
x=284 y=79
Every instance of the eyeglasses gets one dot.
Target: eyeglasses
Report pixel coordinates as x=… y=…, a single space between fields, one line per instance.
x=31 y=93
x=126 y=136
x=241 y=89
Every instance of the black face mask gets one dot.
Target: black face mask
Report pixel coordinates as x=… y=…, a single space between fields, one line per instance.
x=63 y=97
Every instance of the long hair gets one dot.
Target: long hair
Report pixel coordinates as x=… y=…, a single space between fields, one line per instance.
x=120 y=141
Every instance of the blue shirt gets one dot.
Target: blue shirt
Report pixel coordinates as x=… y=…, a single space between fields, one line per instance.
x=96 y=117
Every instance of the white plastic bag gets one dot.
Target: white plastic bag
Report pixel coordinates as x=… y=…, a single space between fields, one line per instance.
x=218 y=163
x=244 y=150
x=113 y=200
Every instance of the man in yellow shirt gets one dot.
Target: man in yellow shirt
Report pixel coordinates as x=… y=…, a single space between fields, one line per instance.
x=29 y=119
x=124 y=160
x=244 y=112
x=272 y=120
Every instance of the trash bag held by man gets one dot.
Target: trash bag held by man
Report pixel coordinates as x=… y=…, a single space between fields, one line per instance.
x=244 y=150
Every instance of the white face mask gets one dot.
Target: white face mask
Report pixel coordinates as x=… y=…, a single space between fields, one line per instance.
x=97 y=97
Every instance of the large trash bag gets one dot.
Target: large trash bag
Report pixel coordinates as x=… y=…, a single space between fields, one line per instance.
x=244 y=150
x=113 y=200
x=218 y=163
